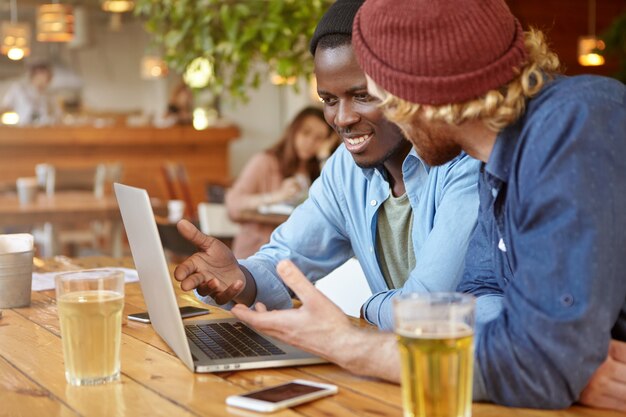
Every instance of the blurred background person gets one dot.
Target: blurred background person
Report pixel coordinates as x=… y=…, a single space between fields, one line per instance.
x=282 y=173
x=30 y=99
x=179 y=108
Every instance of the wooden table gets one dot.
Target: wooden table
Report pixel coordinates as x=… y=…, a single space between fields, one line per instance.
x=66 y=208
x=155 y=383
x=61 y=208
x=253 y=216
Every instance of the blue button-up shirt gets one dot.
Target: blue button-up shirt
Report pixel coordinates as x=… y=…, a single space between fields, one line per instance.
x=548 y=258
x=339 y=220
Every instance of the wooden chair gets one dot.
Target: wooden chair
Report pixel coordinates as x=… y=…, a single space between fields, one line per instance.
x=176 y=183
x=90 y=178
x=177 y=248
x=96 y=179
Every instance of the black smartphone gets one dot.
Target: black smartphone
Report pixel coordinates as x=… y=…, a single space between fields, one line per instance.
x=185 y=312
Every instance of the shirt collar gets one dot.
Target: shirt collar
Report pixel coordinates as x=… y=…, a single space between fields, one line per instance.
x=411 y=159
x=414 y=156
x=501 y=158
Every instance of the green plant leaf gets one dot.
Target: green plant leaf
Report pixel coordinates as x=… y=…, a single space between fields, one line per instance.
x=236 y=35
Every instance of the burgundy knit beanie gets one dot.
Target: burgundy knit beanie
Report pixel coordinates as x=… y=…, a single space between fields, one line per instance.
x=438 y=51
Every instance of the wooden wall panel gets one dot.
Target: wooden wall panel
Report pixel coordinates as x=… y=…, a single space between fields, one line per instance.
x=564 y=21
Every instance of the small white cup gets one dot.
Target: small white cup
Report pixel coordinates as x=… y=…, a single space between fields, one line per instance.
x=175 y=210
x=27 y=189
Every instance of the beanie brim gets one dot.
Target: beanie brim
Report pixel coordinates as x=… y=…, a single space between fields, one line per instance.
x=439 y=90
x=338 y=19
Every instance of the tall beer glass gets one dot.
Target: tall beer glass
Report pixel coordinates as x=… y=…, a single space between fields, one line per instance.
x=435 y=336
x=90 y=307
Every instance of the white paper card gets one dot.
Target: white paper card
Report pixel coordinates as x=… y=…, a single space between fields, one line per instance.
x=45 y=281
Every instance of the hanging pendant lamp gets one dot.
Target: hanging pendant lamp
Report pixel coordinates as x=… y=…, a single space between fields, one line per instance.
x=118 y=6
x=589 y=45
x=153 y=67
x=55 y=23
x=15 y=37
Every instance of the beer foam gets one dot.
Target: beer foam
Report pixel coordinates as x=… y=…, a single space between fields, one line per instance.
x=435 y=330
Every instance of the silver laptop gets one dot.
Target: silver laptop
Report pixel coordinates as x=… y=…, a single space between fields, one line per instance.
x=206 y=345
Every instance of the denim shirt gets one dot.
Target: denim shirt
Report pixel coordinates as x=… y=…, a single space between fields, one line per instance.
x=339 y=220
x=548 y=257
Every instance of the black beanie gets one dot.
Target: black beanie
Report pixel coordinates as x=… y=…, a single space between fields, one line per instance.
x=337 y=20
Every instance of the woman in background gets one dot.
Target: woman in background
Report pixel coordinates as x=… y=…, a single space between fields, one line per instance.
x=179 y=108
x=282 y=173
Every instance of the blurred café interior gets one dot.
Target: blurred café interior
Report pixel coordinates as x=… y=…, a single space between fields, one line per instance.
x=222 y=127
x=122 y=101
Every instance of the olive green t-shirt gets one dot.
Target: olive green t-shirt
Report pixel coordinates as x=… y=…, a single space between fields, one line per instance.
x=393 y=240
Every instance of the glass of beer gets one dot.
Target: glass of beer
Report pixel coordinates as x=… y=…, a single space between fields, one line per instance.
x=90 y=307
x=435 y=337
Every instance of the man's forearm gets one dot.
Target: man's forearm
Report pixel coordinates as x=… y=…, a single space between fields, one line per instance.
x=368 y=352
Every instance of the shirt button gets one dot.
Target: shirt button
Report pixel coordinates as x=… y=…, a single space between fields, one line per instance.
x=494 y=192
x=567 y=300
x=373 y=202
x=371 y=249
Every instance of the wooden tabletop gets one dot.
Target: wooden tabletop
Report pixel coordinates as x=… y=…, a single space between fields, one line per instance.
x=253 y=216
x=63 y=207
x=155 y=383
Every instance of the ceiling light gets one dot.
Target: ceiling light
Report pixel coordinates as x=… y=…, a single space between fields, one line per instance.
x=118 y=6
x=153 y=67
x=55 y=23
x=15 y=37
x=589 y=46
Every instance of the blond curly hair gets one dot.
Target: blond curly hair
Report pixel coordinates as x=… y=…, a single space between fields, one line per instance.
x=497 y=108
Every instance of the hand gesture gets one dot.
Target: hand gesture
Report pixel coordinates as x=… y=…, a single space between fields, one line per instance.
x=289 y=189
x=317 y=326
x=320 y=327
x=213 y=271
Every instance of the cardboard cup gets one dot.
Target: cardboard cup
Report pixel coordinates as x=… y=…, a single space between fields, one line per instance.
x=16 y=275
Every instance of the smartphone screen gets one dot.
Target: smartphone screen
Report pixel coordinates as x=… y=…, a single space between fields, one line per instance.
x=289 y=394
x=283 y=392
x=187 y=311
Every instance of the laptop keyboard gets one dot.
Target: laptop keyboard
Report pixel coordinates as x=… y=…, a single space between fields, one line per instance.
x=230 y=340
